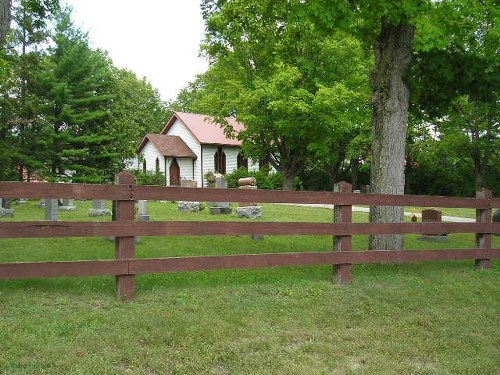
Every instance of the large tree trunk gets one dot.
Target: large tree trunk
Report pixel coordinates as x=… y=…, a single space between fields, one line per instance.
x=5 y=18
x=390 y=100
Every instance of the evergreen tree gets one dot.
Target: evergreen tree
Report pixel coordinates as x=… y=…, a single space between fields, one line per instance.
x=77 y=87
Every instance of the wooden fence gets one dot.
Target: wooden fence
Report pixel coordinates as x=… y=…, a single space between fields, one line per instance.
x=124 y=228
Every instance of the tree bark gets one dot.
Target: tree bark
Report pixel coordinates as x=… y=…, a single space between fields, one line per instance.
x=390 y=100
x=5 y=18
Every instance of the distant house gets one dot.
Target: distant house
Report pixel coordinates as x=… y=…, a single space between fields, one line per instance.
x=189 y=146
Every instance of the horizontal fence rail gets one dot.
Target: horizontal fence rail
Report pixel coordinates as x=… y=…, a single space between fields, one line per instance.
x=124 y=228
x=38 y=229
x=136 y=192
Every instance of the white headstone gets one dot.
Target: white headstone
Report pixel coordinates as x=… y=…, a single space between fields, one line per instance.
x=143 y=210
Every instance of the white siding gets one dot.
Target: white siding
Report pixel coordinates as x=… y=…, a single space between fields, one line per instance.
x=150 y=153
x=179 y=129
x=208 y=159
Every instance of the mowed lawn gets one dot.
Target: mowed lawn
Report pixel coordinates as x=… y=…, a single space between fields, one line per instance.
x=423 y=318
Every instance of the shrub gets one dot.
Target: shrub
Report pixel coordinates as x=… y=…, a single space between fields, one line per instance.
x=266 y=181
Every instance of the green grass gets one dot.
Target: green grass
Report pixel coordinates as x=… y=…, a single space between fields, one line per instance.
x=424 y=318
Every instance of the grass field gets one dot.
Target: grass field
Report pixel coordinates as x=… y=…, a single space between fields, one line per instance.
x=424 y=318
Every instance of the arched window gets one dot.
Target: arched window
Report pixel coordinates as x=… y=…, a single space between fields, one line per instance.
x=144 y=169
x=220 y=161
x=157 y=165
x=242 y=162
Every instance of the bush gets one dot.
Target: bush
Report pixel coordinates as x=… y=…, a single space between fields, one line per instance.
x=266 y=181
x=149 y=178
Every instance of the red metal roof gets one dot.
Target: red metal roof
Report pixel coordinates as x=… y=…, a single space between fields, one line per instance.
x=205 y=129
x=168 y=145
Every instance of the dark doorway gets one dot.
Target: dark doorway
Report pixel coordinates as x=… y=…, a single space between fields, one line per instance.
x=175 y=173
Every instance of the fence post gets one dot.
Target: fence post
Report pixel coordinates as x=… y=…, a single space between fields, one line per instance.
x=124 y=246
x=342 y=273
x=483 y=240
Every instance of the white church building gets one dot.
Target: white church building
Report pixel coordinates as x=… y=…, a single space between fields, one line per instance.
x=189 y=146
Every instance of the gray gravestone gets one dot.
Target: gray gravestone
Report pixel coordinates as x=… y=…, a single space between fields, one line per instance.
x=188 y=206
x=99 y=208
x=496 y=219
x=249 y=212
x=51 y=209
x=142 y=210
x=185 y=206
x=67 y=205
x=218 y=208
x=5 y=208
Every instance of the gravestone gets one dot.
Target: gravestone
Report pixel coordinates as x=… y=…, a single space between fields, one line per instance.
x=67 y=205
x=51 y=209
x=496 y=219
x=188 y=183
x=6 y=209
x=432 y=216
x=249 y=210
x=142 y=214
x=219 y=208
x=99 y=208
x=185 y=206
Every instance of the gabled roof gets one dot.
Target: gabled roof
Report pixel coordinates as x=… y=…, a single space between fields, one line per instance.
x=205 y=129
x=168 y=145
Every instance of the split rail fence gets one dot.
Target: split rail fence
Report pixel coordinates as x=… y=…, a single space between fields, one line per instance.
x=124 y=228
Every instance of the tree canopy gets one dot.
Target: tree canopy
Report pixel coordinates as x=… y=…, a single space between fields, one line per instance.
x=67 y=113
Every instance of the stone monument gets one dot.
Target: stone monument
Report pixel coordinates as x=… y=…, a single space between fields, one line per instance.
x=218 y=208
x=186 y=206
x=249 y=210
x=51 y=209
x=99 y=208
x=432 y=216
x=6 y=209
x=142 y=214
x=67 y=205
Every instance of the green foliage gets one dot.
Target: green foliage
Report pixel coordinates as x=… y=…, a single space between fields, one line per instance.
x=67 y=113
x=148 y=178
x=266 y=181
x=275 y=73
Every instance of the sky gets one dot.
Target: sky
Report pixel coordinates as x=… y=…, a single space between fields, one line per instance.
x=156 y=39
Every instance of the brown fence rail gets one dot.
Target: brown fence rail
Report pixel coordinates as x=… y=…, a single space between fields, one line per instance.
x=124 y=228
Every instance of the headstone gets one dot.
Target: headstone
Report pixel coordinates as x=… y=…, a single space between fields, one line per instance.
x=6 y=203
x=188 y=183
x=51 y=209
x=432 y=216
x=67 y=205
x=99 y=208
x=219 y=208
x=249 y=212
x=185 y=206
x=5 y=208
x=496 y=219
x=143 y=210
